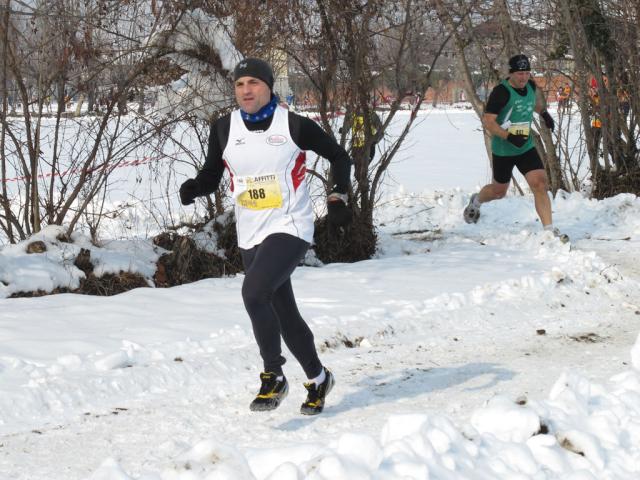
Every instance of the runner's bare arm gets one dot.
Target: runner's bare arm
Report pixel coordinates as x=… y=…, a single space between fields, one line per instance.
x=490 y=123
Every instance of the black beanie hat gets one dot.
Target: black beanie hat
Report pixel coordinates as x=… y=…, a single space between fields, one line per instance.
x=254 y=67
x=519 y=63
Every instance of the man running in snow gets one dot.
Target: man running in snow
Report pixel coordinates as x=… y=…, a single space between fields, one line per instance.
x=262 y=145
x=507 y=117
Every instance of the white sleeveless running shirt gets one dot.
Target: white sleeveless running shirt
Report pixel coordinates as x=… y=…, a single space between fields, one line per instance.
x=268 y=181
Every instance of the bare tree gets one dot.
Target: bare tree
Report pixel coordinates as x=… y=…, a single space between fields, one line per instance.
x=606 y=71
x=56 y=166
x=349 y=52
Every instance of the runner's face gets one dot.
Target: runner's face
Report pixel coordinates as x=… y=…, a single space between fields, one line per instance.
x=519 y=79
x=252 y=94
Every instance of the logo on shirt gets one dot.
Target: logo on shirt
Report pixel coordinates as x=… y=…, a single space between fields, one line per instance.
x=239 y=141
x=276 y=140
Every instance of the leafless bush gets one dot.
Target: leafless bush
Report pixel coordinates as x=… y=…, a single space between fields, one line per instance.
x=114 y=63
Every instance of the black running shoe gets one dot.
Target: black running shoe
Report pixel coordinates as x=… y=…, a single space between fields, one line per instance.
x=272 y=392
x=314 y=404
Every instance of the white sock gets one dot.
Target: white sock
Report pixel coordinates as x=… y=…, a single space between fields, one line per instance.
x=319 y=379
x=549 y=227
x=476 y=201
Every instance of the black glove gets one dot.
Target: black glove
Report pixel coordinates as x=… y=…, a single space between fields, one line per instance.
x=548 y=120
x=517 y=140
x=338 y=214
x=189 y=190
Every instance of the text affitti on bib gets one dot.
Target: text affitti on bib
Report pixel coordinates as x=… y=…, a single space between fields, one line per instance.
x=259 y=193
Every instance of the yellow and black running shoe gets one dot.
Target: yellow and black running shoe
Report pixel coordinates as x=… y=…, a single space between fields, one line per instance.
x=272 y=392
x=316 y=394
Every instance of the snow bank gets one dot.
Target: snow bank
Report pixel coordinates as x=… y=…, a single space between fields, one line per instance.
x=54 y=267
x=178 y=365
x=583 y=431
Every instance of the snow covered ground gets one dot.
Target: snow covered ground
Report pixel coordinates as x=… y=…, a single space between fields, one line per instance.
x=488 y=351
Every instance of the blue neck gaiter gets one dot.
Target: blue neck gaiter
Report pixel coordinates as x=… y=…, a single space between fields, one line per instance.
x=262 y=114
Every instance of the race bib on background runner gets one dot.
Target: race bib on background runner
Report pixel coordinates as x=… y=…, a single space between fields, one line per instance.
x=519 y=128
x=259 y=193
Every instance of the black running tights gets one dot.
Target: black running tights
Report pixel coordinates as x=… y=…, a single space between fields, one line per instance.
x=268 y=298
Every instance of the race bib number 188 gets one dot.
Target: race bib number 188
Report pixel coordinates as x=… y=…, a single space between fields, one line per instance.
x=259 y=193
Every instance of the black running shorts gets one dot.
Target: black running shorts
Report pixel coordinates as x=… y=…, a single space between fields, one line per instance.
x=526 y=162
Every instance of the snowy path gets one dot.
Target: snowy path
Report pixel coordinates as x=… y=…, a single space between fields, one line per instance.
x=143 y=376
x=150 y=431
